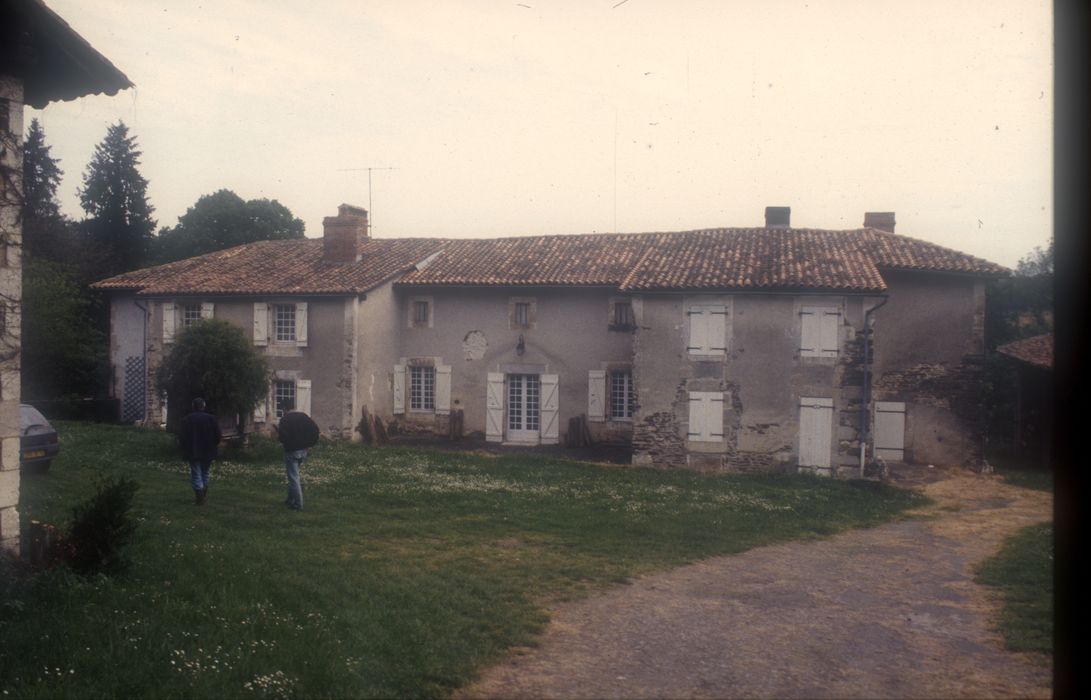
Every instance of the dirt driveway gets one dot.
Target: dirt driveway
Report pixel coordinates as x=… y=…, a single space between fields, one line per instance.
x=887 y=612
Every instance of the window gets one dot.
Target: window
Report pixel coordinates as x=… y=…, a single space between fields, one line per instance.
x=622 y=397
x=706 y=416
x=707 y=330
x=819 y=331
x=621 y=316
x=522 y=313
x=284 y=323
x=191 y=313
x=422 y=388
x=284 y=396
x=421 y=313
x=5 y=115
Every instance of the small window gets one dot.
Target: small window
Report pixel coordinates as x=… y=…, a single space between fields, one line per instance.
x=522 y=313
x=284 y=396
x=422 y=313
x=422 y=388
x=622 y=396
x=5 y=115
x=284 y=323
x=191 y=313
x=623 y=315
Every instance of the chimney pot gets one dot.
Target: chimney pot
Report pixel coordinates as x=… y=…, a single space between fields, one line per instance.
x=344 y=234
x=778 y=217
x=882 y=220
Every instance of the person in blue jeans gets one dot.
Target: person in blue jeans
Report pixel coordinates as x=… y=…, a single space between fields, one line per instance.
x=297 y=433
x=198 y=439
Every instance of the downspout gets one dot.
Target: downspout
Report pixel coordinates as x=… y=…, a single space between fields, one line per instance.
x=865 y=408
x=144 y=356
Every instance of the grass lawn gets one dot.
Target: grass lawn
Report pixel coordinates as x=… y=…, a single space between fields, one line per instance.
x=1022 y=571
x=407 y=571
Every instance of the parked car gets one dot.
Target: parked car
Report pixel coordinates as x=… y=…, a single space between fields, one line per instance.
x=38 y=443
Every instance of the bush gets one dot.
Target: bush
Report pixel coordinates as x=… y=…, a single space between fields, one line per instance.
x=100 y=530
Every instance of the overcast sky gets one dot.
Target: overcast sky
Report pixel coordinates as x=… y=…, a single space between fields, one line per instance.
x=533 y=117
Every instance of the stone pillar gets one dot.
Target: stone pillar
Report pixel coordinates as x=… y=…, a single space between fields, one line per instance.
x=11 y=280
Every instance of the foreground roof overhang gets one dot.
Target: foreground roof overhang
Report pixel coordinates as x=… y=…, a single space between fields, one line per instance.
x=1036 y=351
x=53 y=61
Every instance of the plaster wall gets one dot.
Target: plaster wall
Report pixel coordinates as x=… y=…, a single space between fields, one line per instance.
x=471 y=331
x=928 y=344
x=378 y=338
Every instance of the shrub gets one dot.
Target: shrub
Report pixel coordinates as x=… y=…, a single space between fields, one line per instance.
x=100 y=530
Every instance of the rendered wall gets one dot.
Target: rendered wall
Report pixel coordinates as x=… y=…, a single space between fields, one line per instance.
x=471 y=331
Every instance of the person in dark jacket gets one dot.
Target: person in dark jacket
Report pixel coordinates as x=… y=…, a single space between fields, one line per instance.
x=198 y=438
x=297 y=432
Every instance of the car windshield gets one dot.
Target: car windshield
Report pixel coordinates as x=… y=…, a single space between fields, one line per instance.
x=28 y=416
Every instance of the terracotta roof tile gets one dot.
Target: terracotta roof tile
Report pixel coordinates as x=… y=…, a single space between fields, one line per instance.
x=278 y=267
x=711 y=259
x=1037 y=350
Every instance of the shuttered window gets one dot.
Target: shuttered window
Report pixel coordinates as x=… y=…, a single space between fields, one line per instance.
x=422 y=388
x=706 y=416
x=707 y=330
x=819 y=328
x=622 y=396
x=284 y=396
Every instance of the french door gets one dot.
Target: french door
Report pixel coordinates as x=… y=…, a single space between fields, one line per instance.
x=524 y=408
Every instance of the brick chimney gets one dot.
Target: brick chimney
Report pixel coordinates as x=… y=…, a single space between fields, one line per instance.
x=342 y=235
x=882 y=220
x=778 y=217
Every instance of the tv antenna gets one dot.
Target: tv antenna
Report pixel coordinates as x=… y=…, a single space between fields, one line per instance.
x=370 y=218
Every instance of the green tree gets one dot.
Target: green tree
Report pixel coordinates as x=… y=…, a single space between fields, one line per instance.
x=214 y=360
x=114 y=195
x=224 y=220
x=63 y=354
x=44 y=227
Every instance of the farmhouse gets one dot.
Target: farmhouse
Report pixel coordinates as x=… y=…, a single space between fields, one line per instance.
x=745 y=349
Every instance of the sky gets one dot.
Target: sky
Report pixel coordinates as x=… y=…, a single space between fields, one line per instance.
x=483 y=119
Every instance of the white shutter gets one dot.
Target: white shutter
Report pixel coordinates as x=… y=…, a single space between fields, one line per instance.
x=698 y=330
x=301 y=324
x=830 y=324
x=706 y=416
x=815 y=432
x=260 y=411
x=303 y=395
x=494 y=408
x=261 y=323
x=399 y=388
x=208 y=309
x=443 y=389
x=717 y=329
x=714 y=415
x=809 y=335
x=169 y=320
x=890 y=430
x=596 y=395
x=549 y=406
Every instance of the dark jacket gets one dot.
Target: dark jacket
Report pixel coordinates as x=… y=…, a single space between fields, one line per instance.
x=199 y=435
x=296 y=431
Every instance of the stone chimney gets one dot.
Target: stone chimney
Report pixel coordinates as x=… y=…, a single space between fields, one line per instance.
x=882 y=220
x=342 y=235
x=778 y=217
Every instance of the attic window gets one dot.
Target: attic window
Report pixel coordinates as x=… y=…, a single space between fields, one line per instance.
x=521 y=312
x=420 y=313
x=621 y=316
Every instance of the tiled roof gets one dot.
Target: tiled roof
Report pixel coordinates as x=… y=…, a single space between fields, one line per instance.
x=731 y=258
x=278 y=267
x=582 y=260
x=711 y=259
x=1037 y=351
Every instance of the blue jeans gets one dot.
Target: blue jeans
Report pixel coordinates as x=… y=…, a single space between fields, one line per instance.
x=292 y=462
x=198 y=473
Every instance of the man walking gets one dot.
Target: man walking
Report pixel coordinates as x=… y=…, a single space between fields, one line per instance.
x=297 y=432
x=198 y=438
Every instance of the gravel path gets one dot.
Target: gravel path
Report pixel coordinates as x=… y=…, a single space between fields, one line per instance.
x=886 y=612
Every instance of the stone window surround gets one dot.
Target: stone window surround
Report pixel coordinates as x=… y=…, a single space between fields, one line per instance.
x=411 y=316
x=532 y=312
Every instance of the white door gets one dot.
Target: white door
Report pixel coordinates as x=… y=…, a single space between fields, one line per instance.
x=890 y=430
x=815 y=432
x=524 y=410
